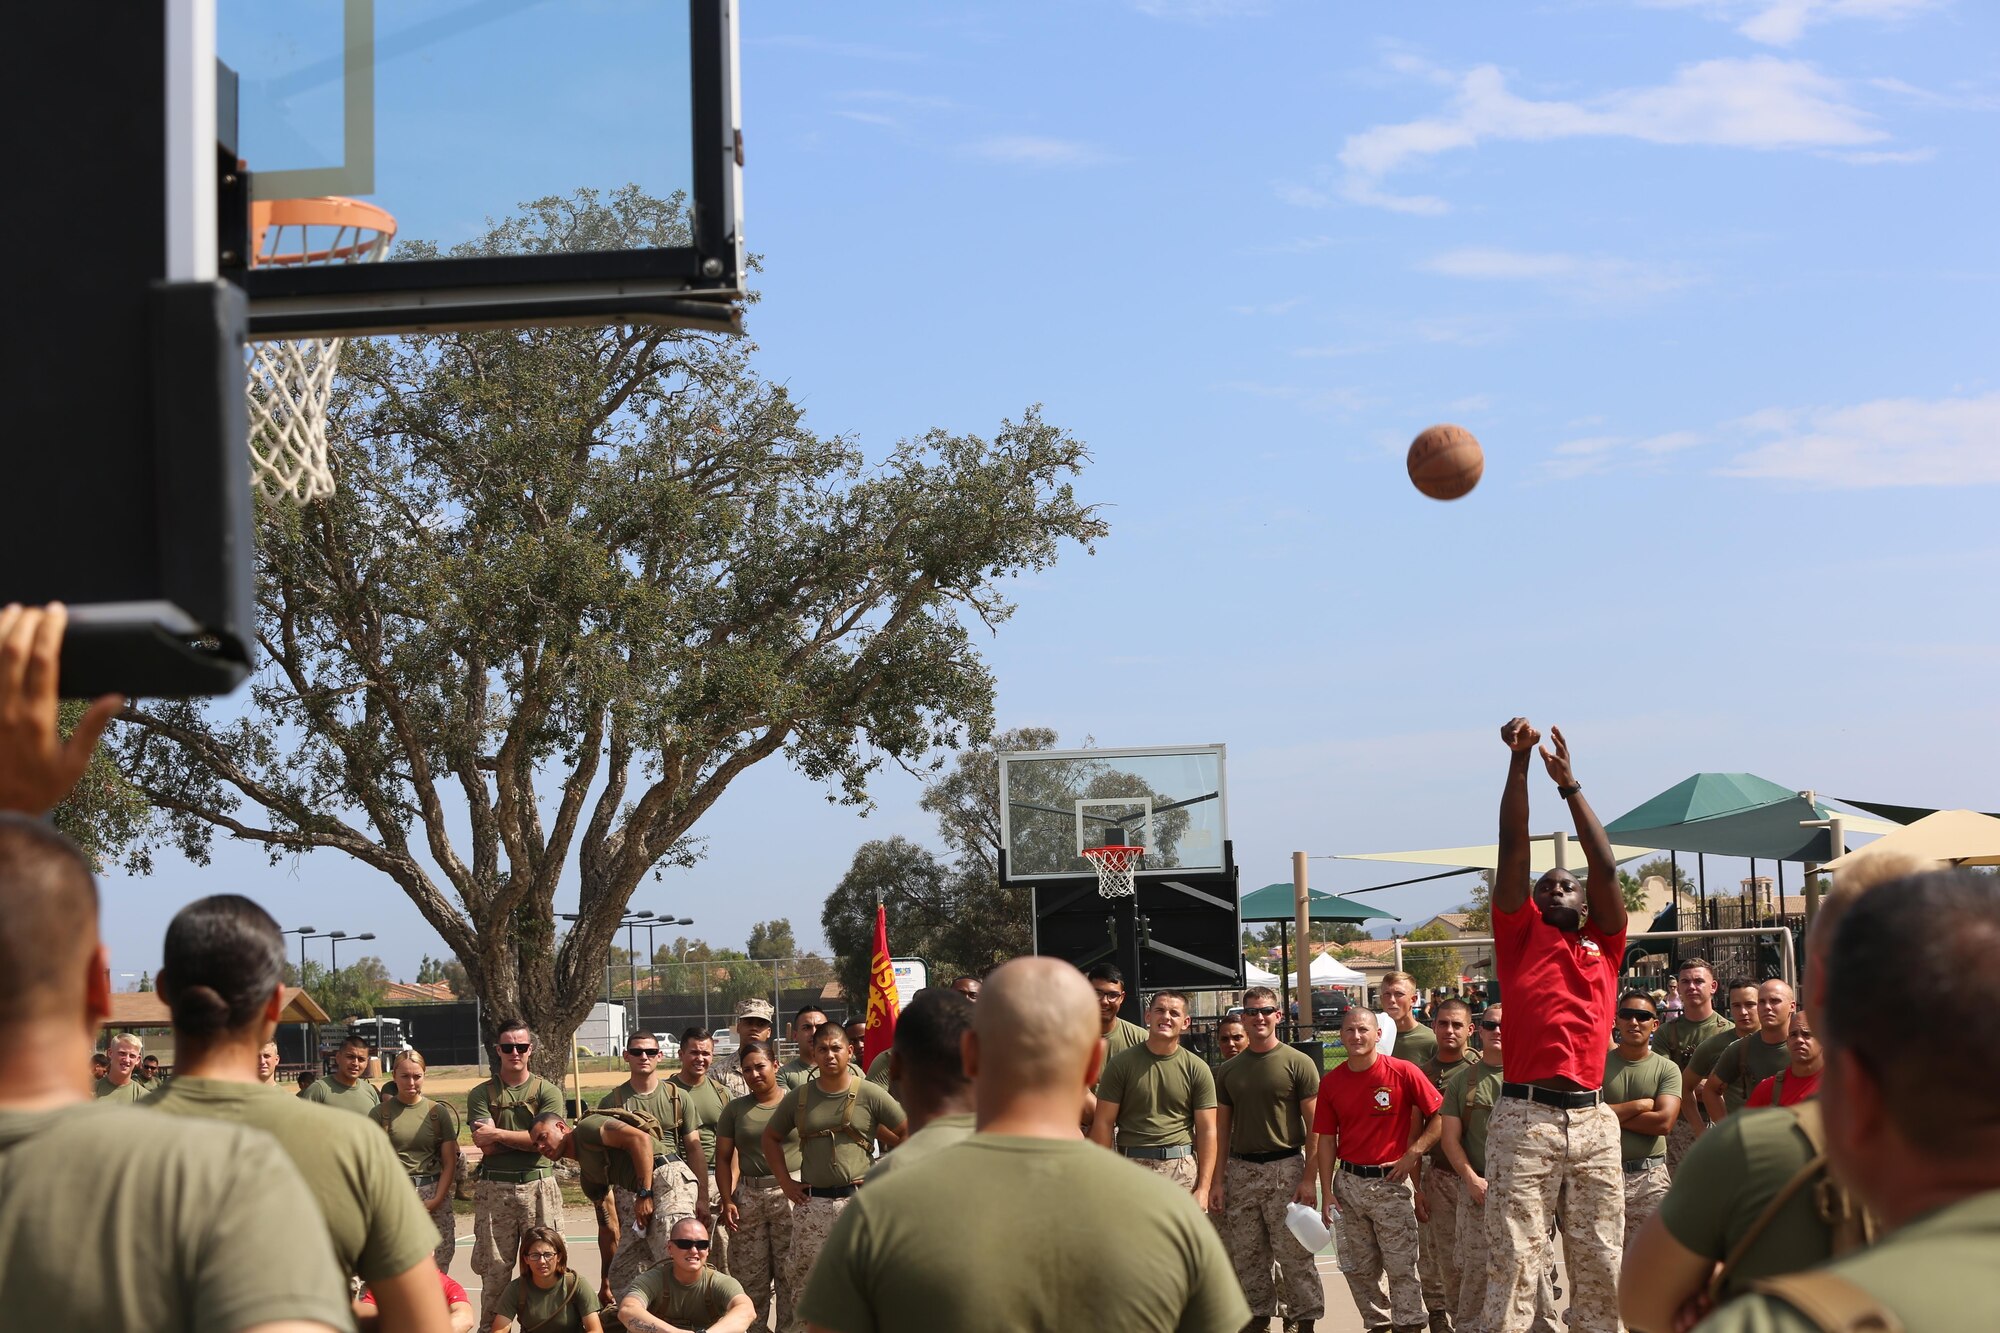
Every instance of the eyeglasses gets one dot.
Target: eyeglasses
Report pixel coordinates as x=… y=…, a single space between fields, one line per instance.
x=1490 y=1025
x=689 y=1243
x=541 y=1256
x=514 y=1047
x=1263 y=1011
x=1111 y=995
x=653 y=1051
x=1638 y=1015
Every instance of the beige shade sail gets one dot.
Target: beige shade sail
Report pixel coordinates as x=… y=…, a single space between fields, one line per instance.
x=1957 y=837
x=1541 y=856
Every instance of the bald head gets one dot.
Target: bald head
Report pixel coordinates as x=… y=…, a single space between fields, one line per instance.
x=48 y=931
x=1036 y=1022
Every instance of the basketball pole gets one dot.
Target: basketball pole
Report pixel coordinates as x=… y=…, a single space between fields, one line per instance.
x=1306 y=1022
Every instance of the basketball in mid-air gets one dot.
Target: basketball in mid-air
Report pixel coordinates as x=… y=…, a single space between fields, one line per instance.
x=1446 y=462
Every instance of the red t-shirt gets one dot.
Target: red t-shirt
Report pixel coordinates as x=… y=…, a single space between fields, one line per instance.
x=1370 y=1109
x=1796 y=1089
x=1560 y=989
x=453 y=1293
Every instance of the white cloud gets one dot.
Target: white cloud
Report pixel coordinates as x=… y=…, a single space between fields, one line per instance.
x=1884 y=443
x=1199 y=11
x=1586 y=277
x=1877 y=158
x=1760 y=103
x=1034 y=151
x=1782 y=22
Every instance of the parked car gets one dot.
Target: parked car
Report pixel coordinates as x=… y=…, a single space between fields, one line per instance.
x=670 y=1045
x=725 y=1041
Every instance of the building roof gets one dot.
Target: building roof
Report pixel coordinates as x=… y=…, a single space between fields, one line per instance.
x=145 y=1009
x=418 y=992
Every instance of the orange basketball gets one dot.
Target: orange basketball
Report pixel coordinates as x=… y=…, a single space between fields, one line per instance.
x=1446 y=462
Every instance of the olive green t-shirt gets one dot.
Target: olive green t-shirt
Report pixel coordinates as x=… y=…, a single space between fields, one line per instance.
x=1089 y=1244
x=600 y=1164
x=1470 y=1096
x=1122 y=1037
x=686 y=1305
x=1262 y=1091
x=146 y=1223
x=1440 y=1073
x=668 y=1102
x=1417 y=1045
x=878 y=1070
x=362 y=1098
x=379 y=1227
x=560 y=1309
x=830 y=1155
x=1627 y=1081
x=418 y=1133
x=1156 y=1095
x=706 y=1099
x=938 y=1133
x=743 y=1124
x=514 y=1109
x=1728 y=1177
x=1679 y=1038
x=796 y=1071
x=1933 y=1273
x=127 y=1094
x=1702 y=1063
x=1746 y=1064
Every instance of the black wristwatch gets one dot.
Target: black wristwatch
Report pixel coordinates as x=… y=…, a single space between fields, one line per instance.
x=1569 y=791
x=642 y=1194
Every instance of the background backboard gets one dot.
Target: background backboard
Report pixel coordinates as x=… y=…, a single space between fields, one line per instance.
x=1171 y=800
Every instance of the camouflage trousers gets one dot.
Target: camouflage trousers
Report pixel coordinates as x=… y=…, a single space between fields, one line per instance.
x=763 y=1235
x=1643 y=1192
x=718 y=1234
x=501 y=1211
x=1437 y=1246
x=447 y=1225
x=1679 y=1140
x=1180 y=1170
x=1254 y=1197
x=673 y=1198
x=811 y=1221
x=1375 y=1233
x=1542 y=1162
x=1468 y=1306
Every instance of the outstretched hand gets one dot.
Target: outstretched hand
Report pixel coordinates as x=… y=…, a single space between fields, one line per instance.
x=1520 y=734
x=40 y=768
x=1558 y=762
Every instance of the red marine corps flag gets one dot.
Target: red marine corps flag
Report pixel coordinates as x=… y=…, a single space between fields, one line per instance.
x=881 y=995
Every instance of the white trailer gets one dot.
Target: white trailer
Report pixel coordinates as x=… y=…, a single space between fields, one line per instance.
x=605 y=1031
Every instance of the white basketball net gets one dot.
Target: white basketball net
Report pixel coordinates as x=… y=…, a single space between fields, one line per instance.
x=1116 y=867
x=289 y=383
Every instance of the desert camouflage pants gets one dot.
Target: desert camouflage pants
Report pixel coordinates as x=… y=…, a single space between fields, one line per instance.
x=447 y=1225
x=718 y=1234
x=1180 y=1170
x=811 y=1221
x=501 y=1211
x=1679 y=1140
x=1376 y=1235
x=1252 y=1224
x=1468 y=1308
x=1437 y=1246
x=1543 y=1162
x=1643 y=1192
x=673 y=1199
x=763 y=1235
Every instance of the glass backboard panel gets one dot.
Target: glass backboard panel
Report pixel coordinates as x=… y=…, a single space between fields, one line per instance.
x=1055 y=803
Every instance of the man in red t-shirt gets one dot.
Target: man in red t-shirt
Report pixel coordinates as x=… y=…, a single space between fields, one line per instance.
x=1376 y=1118
x=1800 y=1081
x=1552 y=1145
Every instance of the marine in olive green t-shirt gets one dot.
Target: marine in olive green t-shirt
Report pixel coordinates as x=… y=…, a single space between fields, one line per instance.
x=830 y=1155
x=686 y=1305
x=668 y=1104
x=938 y=1133
x=1725 y=1182
x=1470 y=1096
x=1679 y=1038
x=1262 y=1090
x=600 y=1164
x=1746 y=1064
x=143 y=1223
x=1702 y=1063
x=1625 y=1080
x=743 y=1124
x=1417 y=1045
x=1440 y=1074
x=560 y=1309
x=796 y=1072
x=1157 y=1095
x=127 y=1093
x=379 y=1227
x=514 y=1108
x=360 y=1096
x=706 y=1099
x=878 y=1070
x=418 y=1132
x=1066 y=1235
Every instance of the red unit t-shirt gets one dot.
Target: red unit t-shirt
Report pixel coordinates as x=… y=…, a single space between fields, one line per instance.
x=1370 y=1109
x=1560 y=988
x=1797 y=1089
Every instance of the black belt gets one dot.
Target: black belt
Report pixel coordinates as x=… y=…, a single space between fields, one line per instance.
x=660 y=1159
x=835 y=1192
x=1366 y=1172
x=1639 y=1165
x=421 y=1181
x=1160 y=1154
x=1278 y=1156
x=1568 y=1101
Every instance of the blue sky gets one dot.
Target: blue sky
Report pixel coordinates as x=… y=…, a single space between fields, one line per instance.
x=1713 y=283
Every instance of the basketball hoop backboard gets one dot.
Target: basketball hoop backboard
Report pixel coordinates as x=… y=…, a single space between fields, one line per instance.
x=1171 y=800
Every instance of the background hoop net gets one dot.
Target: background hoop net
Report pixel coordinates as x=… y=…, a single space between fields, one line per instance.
x=289 y=382
x=1116 y=868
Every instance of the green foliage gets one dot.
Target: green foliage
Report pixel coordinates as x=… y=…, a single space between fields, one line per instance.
x=1433 y=967
x=105 y=815
x=574 y=583
x=772 y=939
x=351 y=992
x=1480 y=910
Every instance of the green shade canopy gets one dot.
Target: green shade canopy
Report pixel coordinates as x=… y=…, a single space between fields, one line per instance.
x=1277 y=902
x=1732 y=814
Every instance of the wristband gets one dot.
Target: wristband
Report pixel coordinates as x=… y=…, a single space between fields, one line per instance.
x=1569 y=791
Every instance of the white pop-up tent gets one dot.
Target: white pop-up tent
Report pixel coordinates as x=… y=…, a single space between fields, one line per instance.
x=1254 y=975
x=1327 y=970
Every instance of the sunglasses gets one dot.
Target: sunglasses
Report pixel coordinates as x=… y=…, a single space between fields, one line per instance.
x=1638 y=1015
x=1489 y=1025
x=514 y=1047
x=1263 y=1011
x=642 y=1050
x=689 y=1243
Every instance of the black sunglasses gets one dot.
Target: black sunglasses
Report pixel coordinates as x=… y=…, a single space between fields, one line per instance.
x=1489 y=1024
x=1641 y=1015
x=642 y=1050
x=1263 y=1010
x=689 y=1243
x=513 y=1047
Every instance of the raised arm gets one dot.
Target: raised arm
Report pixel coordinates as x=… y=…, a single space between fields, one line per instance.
x=1607 y=899
x=1512 y=880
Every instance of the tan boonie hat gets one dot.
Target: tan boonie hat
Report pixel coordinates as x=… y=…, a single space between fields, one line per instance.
x=754 y=1008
